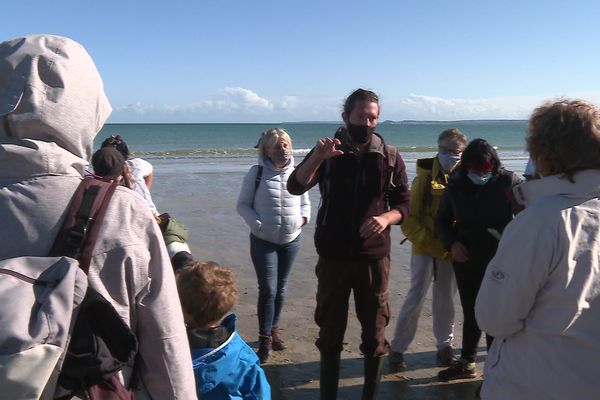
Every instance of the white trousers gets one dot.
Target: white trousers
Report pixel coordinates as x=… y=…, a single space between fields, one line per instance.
x=444 y=290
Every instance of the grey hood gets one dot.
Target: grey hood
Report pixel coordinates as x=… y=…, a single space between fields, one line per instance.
x=52 y=105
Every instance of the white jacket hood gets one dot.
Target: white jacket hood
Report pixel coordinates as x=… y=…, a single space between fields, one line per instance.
x=52 y=105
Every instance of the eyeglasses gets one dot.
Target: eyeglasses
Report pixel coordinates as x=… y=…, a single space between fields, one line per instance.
x=114 y=140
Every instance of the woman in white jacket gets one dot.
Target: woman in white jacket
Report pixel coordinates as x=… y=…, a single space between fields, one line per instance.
x=275 y=218
x=540 y=296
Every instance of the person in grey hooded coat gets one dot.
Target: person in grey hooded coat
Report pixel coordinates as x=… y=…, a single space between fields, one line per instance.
x=52 y=105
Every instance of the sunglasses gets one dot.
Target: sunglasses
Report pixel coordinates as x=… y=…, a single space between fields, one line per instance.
x=478 y=166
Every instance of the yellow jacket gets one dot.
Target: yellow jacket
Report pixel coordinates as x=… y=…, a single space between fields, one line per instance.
x=425 y=195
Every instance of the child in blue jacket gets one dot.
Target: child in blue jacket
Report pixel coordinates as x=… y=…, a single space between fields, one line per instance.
x=224 y=365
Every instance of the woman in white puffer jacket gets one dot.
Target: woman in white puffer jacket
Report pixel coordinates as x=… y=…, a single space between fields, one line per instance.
x=275 y=218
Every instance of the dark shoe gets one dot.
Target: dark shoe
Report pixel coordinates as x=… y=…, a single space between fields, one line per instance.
x=445 y=357
x=264 y=348
x=396 y=360
x=278 y=344
x=373 y=370
x=462 y=369
x=330 y=374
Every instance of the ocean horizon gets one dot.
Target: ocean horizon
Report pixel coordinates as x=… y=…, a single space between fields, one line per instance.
x=221 y=146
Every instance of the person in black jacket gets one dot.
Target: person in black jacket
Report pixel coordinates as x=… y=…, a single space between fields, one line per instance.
x=473 y=212
x=364 y=191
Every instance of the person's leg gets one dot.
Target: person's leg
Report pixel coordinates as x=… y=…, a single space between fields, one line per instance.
x=370 y=284
x=331 y=315
x=467 y=289
x=286 y=254
x=442 y=307
x=421 y=268
x=264 y=258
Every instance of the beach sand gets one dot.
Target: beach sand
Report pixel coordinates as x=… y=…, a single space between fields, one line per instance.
x=205 y=202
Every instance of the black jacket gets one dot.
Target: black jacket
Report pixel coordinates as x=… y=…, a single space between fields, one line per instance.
x=468 y=210
x=354 y=187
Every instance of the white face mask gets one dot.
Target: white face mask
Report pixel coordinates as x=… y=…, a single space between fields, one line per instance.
x=479 y=180
x=448 y=161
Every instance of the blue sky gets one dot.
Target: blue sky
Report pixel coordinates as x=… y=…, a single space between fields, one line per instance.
x=273 y=61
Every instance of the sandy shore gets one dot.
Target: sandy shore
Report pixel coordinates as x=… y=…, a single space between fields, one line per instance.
x=205 y=202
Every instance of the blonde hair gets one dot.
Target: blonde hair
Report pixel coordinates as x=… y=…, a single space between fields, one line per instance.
x=207 y=292
x=271 y=137
x=564 y=137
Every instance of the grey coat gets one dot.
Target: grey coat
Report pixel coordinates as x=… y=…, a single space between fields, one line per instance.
x=52 y=104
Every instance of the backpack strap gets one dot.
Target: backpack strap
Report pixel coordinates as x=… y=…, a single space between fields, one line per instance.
x=259 y=172
x=79 y=232
x=392 y=155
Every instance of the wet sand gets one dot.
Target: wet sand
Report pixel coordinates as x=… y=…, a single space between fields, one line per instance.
x=205 y=202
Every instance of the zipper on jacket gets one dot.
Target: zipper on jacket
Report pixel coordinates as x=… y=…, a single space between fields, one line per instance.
x=26 y=278
x=356 y=180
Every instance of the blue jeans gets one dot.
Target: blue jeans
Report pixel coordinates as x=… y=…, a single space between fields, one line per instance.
x=272 y=263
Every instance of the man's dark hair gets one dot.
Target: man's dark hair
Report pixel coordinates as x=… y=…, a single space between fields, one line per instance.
x=118 y=143
x=359 y=95
x=476 y=154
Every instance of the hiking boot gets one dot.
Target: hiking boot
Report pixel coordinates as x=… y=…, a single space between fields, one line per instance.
x=462 y=369
x=264 y=348
x=396 y=360
x=445 y=357
x=277 y=344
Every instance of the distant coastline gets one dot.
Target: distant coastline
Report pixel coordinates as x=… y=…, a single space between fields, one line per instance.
x=386 y=122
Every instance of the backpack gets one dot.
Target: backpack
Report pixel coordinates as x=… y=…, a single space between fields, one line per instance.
x=51 y=322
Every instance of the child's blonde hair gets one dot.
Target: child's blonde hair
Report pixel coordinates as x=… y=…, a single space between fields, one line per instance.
x=207 y=292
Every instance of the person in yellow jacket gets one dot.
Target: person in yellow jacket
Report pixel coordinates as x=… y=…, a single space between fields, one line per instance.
x=430 y=261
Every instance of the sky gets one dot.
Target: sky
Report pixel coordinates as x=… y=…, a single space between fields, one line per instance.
x=286 y=61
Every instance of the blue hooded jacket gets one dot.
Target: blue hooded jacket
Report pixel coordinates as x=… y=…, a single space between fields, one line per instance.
x=230 y=371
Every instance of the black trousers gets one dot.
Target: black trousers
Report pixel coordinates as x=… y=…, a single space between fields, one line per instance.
x=469 y=276
x=368 y=279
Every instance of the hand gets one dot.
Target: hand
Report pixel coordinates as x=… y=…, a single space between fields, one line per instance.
x=373 y=225
x=458 y=252
x=325 y=148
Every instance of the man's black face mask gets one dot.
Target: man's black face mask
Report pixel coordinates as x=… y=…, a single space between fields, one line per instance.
x=360 y=134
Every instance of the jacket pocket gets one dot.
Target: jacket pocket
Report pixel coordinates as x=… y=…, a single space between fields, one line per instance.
x=496 y=352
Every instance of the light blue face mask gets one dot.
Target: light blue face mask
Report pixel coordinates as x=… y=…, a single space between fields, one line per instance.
x=448 y=160
x=479 y=180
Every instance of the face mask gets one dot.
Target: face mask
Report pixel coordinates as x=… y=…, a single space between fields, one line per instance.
x=448 y=160
x=280 y=157
x=479 y=180
x=360 y=134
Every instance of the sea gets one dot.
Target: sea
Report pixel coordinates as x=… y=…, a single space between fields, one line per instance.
x=229 y=147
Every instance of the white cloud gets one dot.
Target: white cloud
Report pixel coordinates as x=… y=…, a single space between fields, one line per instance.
x=237 y=104
x=234 y=104
x=438 y=108
x=239 y=97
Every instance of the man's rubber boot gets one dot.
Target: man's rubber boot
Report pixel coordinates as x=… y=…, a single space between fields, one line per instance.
x=330 y=374
x=373 y=370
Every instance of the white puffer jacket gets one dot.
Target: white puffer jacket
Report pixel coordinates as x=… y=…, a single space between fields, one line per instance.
x=272 y=213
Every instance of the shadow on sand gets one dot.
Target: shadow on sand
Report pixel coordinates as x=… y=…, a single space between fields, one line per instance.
x=300 y=381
